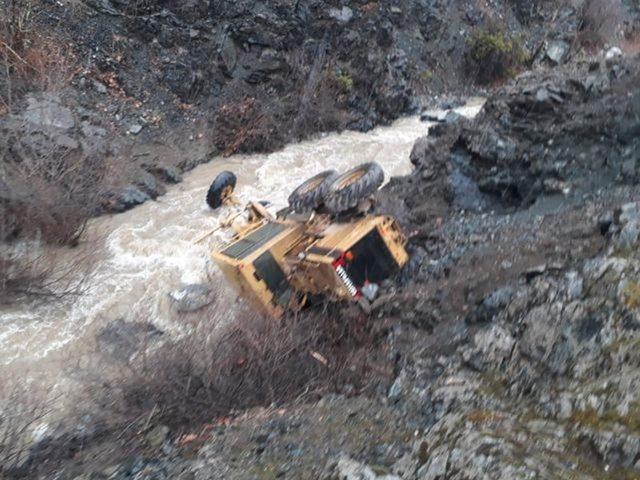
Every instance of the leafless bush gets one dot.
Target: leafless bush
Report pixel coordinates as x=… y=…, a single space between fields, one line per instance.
x=47 y=195
x=319 y=93
x=247 y=124
x=29 y=60
x=22 y=411
x=50 y=196
x=252 y=120
x=601 y=22
x=29 y=269
x=215 y=372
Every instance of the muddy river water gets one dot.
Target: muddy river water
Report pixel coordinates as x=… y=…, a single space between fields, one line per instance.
x=141 y=255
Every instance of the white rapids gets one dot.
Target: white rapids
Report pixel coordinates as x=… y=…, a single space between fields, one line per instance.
x=141 y=255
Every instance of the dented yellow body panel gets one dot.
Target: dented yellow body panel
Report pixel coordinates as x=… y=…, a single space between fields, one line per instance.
x=274 y=263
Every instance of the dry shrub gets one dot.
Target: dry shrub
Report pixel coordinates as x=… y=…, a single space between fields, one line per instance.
x=47 y=195
x=631 y=45
x=50 y=198
x=31 y=269
x=34 y=443
x=216 y=372
x=246 y=124
x=22 y=410
x=49 y=190
x=318 y=106
x=601 y=22
x=320 y=92
x=30 y=60
x=252 y=120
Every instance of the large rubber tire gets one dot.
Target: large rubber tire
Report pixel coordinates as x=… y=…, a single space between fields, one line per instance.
x=347 y=190
x=224 y=184
x=310 y=195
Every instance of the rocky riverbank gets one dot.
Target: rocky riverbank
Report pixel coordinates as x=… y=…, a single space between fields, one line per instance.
x=147 y=90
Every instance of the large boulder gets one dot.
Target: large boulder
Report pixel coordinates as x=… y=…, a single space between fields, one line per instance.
x=190 y=298
x=46 y=112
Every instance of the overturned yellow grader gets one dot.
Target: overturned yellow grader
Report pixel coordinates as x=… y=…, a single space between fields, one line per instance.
x=324 y=244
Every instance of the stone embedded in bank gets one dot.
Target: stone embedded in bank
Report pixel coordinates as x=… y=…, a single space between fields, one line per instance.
x=343 y=15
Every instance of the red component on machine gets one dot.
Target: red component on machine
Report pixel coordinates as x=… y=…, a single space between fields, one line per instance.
x=339 y=265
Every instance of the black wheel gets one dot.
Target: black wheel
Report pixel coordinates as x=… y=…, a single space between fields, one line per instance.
x=221 y=189
x=310 y=194
x=347 y=190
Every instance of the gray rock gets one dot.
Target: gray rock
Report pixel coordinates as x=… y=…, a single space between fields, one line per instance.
x=397 y=387
x=433 y=116
x=343 y=15
x=104 y=6
x=452 y=117
x=228 y=55
x=629 y=235
x=612 y=56
x=499 y=298
x=349 y=469
x=100 y=87
x=126 y=199
x=135 y=129
x=149 y=184
x=157 y=435
x=181 y=79
x=436 y=469
x=166 y=173
x=89 y=130
x=565 y=406
x=190 y=298
x=629 y=219
x=557 y=50
x=48 y=113
x=629 y=168
x=499 y=182
x=495 y=146
x=542 y=330
x=492 y=347
x=629 y=212
x=555 y=186
x=542 y=95
x=65 y=142
x=574 y=285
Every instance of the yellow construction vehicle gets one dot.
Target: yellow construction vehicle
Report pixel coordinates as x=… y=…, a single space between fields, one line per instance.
x=324 y=244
